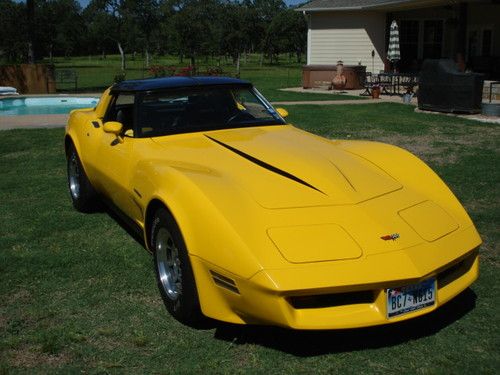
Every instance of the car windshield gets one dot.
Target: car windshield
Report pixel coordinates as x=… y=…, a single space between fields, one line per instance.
x=203 y=108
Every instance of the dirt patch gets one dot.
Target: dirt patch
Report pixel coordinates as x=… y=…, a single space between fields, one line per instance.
x=15 y=155
x=30 y=357
x=21 y=296
x=3 y=322
x=146 y=300
x=438 y=148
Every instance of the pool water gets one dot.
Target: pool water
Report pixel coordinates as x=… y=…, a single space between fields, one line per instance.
x=44 y=105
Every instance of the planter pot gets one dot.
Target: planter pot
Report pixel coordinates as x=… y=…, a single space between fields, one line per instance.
x=376 y=92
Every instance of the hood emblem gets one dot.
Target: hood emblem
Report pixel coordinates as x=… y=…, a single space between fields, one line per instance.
x=388 y=237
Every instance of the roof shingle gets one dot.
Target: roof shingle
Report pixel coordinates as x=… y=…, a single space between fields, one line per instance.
x=349 y=4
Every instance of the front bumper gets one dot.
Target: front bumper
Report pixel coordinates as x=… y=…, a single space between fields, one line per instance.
x=345 y=294
x=357 y=306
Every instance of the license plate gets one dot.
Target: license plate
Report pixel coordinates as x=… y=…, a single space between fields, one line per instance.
x=410 y=298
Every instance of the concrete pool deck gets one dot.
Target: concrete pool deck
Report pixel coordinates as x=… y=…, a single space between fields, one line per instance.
x=33 y=121
x=39 y=121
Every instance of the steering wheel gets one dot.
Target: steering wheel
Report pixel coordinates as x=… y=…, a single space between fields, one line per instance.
x=241 y=116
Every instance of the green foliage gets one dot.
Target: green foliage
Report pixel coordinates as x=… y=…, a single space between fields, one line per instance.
x=95 y=73
x=193 y=29
x=14 y=31
x=287 y=32
x=78 y=293
x=119 y=77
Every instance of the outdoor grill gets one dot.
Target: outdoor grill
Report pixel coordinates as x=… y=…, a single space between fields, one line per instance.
x=443 y=88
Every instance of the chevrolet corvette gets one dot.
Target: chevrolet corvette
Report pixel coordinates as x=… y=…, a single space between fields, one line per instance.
x=251 y=220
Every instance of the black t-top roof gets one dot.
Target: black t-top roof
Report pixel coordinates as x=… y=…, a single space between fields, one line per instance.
x=175 y=82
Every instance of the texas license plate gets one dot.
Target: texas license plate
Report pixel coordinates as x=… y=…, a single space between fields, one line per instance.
x=410 y=298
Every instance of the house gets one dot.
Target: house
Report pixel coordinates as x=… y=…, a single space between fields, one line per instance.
x=354 y=30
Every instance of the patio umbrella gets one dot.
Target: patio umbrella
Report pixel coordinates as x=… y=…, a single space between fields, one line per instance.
x=393 y=53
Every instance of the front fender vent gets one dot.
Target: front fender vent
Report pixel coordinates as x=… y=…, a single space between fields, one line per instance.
x=224 y=282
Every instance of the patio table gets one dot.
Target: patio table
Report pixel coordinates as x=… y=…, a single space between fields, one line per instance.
x=392 y=83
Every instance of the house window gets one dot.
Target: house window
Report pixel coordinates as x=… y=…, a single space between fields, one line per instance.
x=486 y=42
x=408 y=39
x=433 y=39
x=479 y=41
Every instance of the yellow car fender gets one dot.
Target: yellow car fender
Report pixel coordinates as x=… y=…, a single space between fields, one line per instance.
x=213 y=244
x=203 y=226
x=412 y=172
x=81 y=122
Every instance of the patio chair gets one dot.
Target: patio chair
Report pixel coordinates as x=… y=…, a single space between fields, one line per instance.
x=442 y=87
x=386 y=84
x=367 y=83
x=408 y=82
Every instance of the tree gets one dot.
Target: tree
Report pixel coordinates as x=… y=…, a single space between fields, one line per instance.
x=30 y=10
x=236 y=27
x=14 y=31
x=107 y=21
x=60 y=27
x=287 y=32
x=194 y=27
x=145 y=15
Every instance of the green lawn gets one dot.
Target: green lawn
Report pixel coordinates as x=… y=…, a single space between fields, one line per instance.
x=95 y=74
x=78 y=292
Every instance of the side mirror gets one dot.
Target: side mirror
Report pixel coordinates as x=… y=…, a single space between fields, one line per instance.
x=113 y=127
x=282 y=112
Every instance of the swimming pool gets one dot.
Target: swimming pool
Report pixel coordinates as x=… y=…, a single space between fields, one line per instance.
x=44 y=105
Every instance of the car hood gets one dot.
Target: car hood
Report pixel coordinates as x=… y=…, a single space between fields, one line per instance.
x=310 y=198
x=283 y=167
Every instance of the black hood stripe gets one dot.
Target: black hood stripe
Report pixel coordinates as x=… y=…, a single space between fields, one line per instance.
x=263 y=164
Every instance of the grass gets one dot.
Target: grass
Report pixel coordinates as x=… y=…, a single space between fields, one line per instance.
x=78 y=293
x=95 y=74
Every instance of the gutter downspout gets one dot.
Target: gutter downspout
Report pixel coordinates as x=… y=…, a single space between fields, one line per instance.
x=308 y=19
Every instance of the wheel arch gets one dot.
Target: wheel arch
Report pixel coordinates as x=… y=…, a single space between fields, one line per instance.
x=68 y=142
x=152 y=207
x=212 y=300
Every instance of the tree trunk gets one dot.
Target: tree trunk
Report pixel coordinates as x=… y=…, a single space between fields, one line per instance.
x=30 y=4
x=122 y=55
x=238 y=65
x=147 y=58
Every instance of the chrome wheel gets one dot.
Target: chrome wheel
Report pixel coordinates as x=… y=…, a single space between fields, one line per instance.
x=168 y=263
x=74 y=176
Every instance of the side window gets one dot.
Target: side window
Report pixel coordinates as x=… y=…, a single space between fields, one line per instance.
x=121 y=109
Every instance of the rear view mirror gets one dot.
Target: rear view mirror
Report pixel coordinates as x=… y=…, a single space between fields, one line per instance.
x=282 y=112
x=113 y=127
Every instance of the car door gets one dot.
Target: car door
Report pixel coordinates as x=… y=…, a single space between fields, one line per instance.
x=115 y=154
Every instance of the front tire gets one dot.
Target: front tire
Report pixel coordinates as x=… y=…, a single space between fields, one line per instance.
x=83 y=196
x=174 y=274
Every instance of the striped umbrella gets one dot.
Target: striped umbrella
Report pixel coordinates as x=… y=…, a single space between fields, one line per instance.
x=393 y=53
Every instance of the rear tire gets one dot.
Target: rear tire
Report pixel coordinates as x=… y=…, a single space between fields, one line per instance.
x=174 y=274
x=83 y=195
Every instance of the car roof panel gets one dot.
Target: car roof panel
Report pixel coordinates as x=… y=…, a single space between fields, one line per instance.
x=174 y=82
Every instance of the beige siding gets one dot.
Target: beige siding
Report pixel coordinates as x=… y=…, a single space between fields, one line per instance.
x=349 y=37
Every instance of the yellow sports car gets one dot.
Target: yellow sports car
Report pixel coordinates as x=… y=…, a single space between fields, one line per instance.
x=251 y=220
